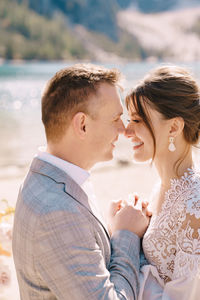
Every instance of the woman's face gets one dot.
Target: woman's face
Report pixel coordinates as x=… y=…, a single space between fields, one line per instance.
x=143 y=146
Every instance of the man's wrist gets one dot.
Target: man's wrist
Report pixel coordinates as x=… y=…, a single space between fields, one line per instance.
x=128 y=240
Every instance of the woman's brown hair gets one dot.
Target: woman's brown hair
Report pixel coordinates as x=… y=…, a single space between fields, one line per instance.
x=173 y=92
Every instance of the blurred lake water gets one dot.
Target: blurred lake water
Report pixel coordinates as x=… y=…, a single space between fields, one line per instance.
x=21 y=129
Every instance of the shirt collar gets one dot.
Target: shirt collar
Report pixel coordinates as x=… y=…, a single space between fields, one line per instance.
x=78 y=174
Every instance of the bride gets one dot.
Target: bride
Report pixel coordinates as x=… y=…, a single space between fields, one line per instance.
x=164 y=126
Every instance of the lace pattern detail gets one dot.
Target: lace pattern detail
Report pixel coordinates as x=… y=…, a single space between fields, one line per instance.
x=193 y=207
x=187 y=265
x=172 y=241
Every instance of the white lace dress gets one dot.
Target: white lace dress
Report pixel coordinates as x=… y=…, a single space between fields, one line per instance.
x=172 y=244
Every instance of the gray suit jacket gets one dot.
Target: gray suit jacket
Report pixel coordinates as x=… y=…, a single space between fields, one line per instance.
x=61 y=250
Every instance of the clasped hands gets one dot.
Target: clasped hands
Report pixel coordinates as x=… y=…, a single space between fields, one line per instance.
x=129 y=215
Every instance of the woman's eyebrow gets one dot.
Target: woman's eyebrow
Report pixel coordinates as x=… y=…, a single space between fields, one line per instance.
x=134 y=114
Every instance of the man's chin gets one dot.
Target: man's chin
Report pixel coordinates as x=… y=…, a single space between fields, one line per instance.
x=109 y=157
x=106 y=157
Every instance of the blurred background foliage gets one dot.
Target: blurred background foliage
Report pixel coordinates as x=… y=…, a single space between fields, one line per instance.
x=26 y=35
x=75 y=29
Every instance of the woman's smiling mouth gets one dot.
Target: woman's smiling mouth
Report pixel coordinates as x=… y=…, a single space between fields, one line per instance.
x=137 y=145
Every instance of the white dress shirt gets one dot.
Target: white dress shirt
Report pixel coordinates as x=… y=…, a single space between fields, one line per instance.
x=78 y=174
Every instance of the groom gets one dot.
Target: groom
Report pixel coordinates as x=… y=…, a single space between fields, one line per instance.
x=61 y=246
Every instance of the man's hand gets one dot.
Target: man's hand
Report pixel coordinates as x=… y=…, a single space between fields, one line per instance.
x=126 y=216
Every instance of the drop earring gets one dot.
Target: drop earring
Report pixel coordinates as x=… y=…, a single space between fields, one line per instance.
x=171 y=147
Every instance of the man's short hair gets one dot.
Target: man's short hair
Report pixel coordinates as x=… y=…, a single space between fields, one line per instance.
x=68 y=92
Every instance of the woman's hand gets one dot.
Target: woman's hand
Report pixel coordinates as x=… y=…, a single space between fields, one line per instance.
x=129 y=215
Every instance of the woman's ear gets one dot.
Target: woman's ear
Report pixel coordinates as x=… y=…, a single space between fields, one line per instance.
x=79 y=124
x=176 y=126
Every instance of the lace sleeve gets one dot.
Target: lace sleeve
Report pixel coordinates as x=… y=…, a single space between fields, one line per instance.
x=187 y=261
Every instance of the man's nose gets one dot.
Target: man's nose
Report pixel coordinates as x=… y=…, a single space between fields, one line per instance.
x=121 y=128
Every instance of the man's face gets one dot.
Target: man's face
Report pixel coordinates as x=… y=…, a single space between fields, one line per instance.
x=105 y=125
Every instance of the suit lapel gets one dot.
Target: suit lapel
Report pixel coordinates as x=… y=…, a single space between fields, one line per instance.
x=87 y=205
x=71 y=187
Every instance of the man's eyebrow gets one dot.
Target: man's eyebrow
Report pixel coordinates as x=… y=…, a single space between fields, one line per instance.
x=118 y=114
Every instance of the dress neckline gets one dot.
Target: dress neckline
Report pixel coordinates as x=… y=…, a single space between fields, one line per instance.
x=174 y=182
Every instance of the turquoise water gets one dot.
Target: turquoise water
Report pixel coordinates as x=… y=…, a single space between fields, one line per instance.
x=21 y=85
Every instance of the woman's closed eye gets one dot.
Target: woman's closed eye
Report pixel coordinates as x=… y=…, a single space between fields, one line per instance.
x=133 y=120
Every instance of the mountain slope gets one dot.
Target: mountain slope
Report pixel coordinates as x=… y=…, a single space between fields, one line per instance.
x=48 y=33
x=168 y=35
x=26 y=35
x=99 y=15
x=155 y=6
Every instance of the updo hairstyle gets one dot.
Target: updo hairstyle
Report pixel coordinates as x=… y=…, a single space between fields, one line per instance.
x=173 y=92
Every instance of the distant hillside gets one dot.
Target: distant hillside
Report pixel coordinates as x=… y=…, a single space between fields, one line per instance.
x=26 y=35
x=154 y=6
x=98 y=15
x=99 y=30
x=172 y=35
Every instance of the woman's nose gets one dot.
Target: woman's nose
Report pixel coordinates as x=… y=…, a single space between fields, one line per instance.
x=129 y=131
